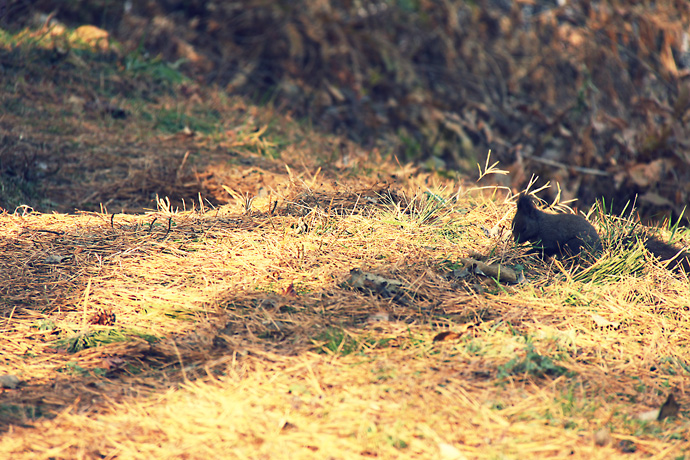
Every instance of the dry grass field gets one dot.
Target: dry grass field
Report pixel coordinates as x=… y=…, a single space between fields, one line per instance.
x=188 y=275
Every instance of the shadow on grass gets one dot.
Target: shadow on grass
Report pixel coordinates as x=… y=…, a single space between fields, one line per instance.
x=100 y=307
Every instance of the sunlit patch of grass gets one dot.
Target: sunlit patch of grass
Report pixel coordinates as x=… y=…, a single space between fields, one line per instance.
x=624 y=250
x=338 y=341
x=423 y=208
x=616 y=263
x=99 y=337
x=175 y=120
x=531 y=363
x=154 y=69
x=21 y=413
x=306 y=365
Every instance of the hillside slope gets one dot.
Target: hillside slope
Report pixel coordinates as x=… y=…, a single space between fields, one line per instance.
x=189 y=275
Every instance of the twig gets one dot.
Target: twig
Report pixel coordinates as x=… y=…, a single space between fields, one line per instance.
x=178 y=176
x=558 y=164
x=86 y=305
x=179 y=358
x=44 y=231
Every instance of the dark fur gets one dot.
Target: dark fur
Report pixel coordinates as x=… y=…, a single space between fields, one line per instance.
x=565 y=235
x=665 y=252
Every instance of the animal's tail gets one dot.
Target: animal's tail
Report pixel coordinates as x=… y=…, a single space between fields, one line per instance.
x=673 y=257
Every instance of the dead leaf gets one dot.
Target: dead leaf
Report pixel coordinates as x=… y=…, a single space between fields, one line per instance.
x=56 y=259
x=449 y=452
x=371 y=283
x=9 y=381
x=113 y=362
x=602 y=437
x=335 y=92
x=103 y=318
x=446 y=336
x=378 y=317
x=603 y=323
x=666 y=57
x=97 y=39
x=289 y=291
x=498 y=271
x=670 y=408
x=301 y=227
x=627 y=446
x=648 y=174
x=77 y=103
x=648 y=416
x=656 y=199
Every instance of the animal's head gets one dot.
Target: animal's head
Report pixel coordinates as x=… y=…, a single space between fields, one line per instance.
x=526 y=221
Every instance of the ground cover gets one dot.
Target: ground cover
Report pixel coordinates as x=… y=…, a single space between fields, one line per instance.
x=179 y=281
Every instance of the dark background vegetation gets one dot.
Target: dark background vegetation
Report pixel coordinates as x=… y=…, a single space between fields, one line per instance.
x=591 y=94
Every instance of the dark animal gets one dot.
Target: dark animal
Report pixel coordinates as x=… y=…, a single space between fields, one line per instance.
x=673 y=257
x=565 y=235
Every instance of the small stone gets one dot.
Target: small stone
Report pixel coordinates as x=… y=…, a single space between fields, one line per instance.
x=450 y=452
x=9 y=381
x=602 y=437
x=627 y=446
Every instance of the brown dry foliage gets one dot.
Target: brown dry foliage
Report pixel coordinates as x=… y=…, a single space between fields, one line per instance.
x=593 y=95
x=241 y=302
x=228 y=328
